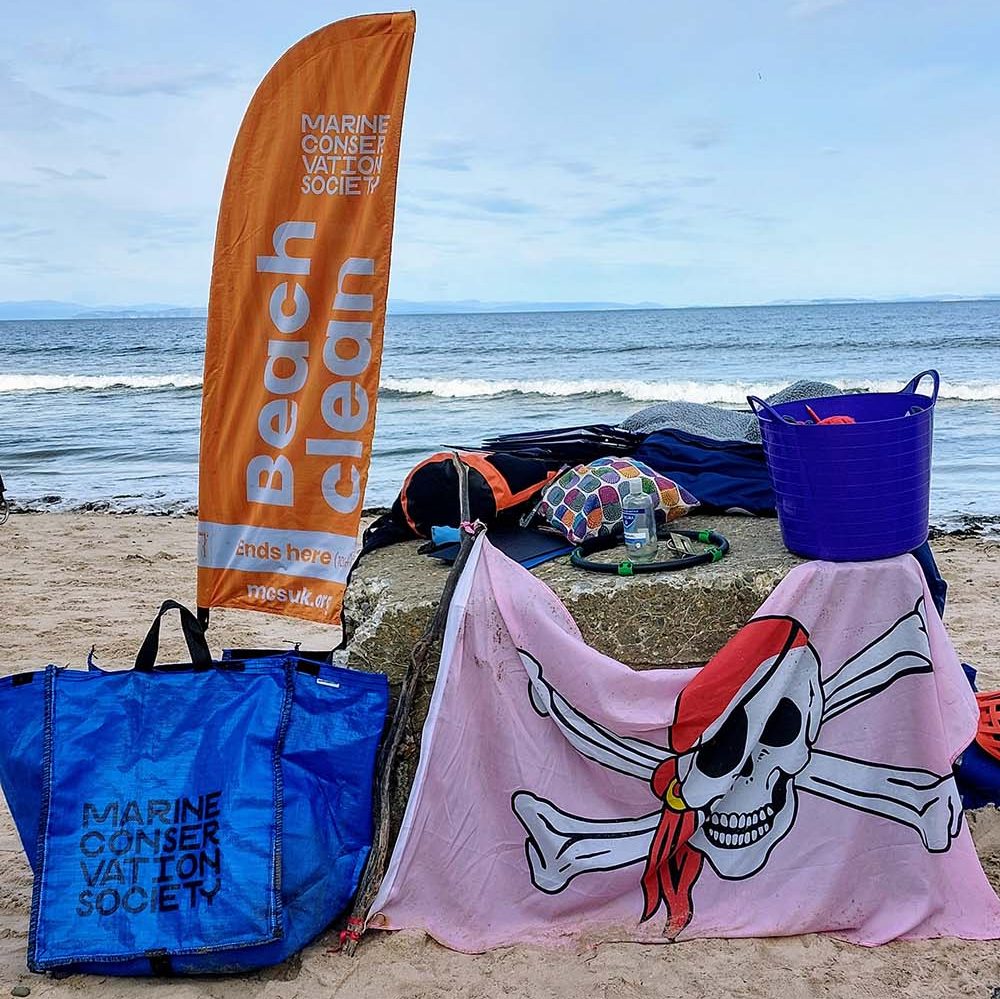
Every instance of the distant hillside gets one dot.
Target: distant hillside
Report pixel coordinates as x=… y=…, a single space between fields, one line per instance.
x=39 y=310
x=45 y=309
x=399 y=307
x=911 y=300
x=403 y=307
x=145 y=312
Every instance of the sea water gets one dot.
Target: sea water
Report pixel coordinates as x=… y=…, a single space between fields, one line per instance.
x=104 y=413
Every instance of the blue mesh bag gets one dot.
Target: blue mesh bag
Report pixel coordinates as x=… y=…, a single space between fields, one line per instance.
x=207 y=817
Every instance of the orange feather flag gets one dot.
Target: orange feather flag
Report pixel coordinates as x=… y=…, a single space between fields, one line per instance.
x=295 y=321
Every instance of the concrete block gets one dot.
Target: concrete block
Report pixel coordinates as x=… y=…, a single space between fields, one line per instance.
x=660 y=619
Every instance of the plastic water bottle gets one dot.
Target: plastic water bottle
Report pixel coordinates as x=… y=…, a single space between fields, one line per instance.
x=639 y=522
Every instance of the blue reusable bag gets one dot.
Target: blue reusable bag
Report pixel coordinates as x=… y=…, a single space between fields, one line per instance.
x=212 y=817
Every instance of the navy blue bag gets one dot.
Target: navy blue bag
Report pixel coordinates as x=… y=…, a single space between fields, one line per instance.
x=207 y=817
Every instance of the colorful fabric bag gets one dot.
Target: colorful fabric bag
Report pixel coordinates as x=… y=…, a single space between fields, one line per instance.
x=586 y=501
x=204 y=817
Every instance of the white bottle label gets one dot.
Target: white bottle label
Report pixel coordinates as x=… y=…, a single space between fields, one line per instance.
x=634 y=526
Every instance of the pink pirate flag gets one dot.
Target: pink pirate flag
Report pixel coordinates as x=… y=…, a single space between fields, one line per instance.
x=799 y=782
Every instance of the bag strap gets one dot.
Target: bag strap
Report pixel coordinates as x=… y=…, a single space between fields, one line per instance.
x=194 y=636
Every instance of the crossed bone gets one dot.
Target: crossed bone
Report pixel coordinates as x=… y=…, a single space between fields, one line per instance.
x=561 y=846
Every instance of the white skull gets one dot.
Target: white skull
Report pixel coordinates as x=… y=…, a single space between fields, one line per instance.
x=741 y=772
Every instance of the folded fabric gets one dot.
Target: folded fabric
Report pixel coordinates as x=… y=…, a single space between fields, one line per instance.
x=715 y=421
x=728 y=476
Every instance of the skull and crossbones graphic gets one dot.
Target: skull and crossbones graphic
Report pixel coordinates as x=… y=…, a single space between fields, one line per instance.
x=740 y=749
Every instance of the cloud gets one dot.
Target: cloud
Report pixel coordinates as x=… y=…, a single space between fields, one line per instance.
x=23 y=109
x=140 y=81
x=699 y=181
x=41 y=266
x=623 y=214
x=501 y=205
x=578 y=168
x=701 y=132
x=704 y=138
x=80 y=173
x=13 y=230
x=109 y=152
x=146 y=230
x=57 y=52
x=756 y=221
x=442 y=163
x=448 y=204
x=449 y=155
x=16 y=187
x=810 y=8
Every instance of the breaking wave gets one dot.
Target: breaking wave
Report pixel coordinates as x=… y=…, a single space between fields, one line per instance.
x=63 y=383
x=720 y=393
x=634 y=390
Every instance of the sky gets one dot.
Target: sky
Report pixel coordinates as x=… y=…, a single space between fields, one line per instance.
x=676 y=151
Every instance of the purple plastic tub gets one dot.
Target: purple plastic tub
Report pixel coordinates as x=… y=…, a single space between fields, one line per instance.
x=852 y=492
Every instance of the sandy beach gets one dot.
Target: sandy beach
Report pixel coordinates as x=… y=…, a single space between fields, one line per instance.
x=70 y=581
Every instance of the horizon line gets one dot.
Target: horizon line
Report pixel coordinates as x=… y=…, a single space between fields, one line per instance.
x=413 y=307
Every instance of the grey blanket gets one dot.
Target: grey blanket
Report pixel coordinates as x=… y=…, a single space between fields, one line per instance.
x=715 y=422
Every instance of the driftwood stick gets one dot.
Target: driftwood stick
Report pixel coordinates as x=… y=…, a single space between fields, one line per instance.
x=371 y=878
x=463 y=487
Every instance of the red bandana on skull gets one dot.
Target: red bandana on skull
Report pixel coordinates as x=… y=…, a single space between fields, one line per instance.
x=673 y=865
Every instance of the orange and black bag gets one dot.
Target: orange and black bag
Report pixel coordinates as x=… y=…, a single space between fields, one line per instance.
x=501 y=486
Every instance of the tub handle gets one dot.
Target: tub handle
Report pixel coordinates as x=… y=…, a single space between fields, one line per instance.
x=771 y=413
x=911 y=386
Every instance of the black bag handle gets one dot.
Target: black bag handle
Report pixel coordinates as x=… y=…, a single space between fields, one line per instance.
x=194 y=635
